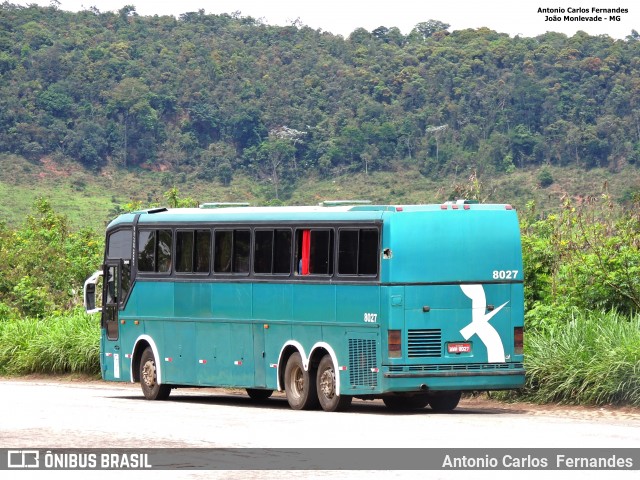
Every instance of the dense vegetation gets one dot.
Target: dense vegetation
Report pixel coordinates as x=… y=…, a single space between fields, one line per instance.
x=42 y=326
x=213 y=95
x=62 y=344
x=590 y=358
x=214 y=98
x=44 y=264
x=582 y=285
x=582 y=298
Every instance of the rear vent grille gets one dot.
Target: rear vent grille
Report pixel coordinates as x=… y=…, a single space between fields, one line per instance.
x=467 y=367
x=362 y=360
x=425 y=343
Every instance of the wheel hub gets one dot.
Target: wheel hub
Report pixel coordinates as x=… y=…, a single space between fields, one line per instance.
x=328 y=383
x=149 y=374
x=298 y=381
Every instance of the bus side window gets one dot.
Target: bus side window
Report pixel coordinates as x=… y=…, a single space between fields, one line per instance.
x=202 y=253
x=304 y=252
x=111 y=283
x=120 y=244
x=321 y=252
x=272 y=252
x=154 y=251
x=232 y=251
x=193 y=251
x=117 y=284
x=314 y=255
x=241 y=251
x=358 y=251
x=263 y=251
x=147 y=250
x=119 y=247
x=164 y=251
x=282 y=252
x=348 y=252
x=222 y=251
x=184 y=251
x=368 y=257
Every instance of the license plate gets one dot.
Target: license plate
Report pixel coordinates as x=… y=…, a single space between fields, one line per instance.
x=459 y=347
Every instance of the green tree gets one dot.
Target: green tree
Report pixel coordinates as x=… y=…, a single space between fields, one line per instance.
x=425 y=30
x=160 y=90
x=129 y=101
x=31 y=282
x=273 y=155
x=175 y=201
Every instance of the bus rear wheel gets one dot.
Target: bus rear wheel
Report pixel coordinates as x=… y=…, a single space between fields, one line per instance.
x=151 y=389
x=330 y=401
x=299 y=384
x=444 y=401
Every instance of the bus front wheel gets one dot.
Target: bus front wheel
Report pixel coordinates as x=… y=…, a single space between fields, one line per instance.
x=151 y=389
x=299 y=384
x=330 y=401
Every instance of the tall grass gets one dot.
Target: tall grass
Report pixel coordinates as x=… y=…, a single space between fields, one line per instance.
x=594 y=359
x=60 y=344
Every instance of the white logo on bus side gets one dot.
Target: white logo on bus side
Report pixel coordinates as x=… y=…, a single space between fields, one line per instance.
x=480 y=323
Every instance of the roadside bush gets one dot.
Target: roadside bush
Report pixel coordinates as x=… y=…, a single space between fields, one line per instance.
x=43 y=264
x=592 y=359
x=582 y=295
x=58 y=344
x=587 y=256
x=545 y=178
x=6 y=312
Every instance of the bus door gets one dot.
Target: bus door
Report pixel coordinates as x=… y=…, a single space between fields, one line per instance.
x=116 y=286
x=259 y=356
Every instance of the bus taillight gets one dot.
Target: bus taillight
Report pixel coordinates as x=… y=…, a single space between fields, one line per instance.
x=395 y=344
x=518 y=340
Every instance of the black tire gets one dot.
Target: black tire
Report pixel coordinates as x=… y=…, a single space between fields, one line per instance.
x=326 y=388
x=258 y=394
x=444 y=401
x=300 y=384
x=151 y=389
x=404 y=404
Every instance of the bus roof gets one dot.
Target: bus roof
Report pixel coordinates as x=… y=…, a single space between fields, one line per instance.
x=320 y=213
x=439 y=243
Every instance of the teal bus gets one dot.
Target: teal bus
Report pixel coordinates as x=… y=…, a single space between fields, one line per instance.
x=413 y=304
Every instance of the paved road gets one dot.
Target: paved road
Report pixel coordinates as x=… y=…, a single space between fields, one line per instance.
x=53 y=414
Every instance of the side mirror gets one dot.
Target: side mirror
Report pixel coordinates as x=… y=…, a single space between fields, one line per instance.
x=90 y=297
x=90 y=293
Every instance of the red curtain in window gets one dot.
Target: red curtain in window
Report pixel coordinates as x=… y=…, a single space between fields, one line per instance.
x=306 y=248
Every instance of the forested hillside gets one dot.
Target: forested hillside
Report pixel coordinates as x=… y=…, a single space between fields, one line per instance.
x=101 y=112
x=214 y=95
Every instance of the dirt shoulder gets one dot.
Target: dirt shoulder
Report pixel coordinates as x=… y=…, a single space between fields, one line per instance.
x=604 y=412
x=475 y=402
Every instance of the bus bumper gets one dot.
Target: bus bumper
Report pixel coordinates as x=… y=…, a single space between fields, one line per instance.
x=507 y=379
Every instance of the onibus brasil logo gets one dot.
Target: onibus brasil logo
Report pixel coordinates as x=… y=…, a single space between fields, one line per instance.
x=480 y=323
